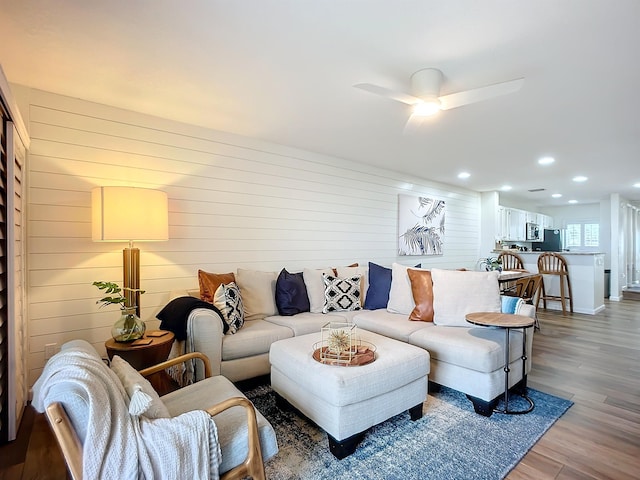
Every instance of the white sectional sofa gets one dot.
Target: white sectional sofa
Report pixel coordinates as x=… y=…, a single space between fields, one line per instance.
x=464 y=357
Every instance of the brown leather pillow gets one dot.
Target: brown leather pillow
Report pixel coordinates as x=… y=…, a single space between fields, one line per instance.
x=422 y=290
x=209 y=283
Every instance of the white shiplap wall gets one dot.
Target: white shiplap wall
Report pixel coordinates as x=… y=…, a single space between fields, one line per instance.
x=233 y=202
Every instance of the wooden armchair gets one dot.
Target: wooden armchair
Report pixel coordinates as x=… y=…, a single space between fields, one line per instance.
x=527 y=288
x=217 y=395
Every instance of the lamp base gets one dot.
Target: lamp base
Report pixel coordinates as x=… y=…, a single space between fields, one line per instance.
x=131 y=277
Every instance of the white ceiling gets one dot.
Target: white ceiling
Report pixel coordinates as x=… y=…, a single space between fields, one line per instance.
x=283 y=70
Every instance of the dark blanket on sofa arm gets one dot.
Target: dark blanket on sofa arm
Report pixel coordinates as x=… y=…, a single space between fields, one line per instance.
x=174 y=315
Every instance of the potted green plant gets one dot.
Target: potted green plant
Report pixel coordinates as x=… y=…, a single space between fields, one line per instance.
x=491 y=263
x=129 y=327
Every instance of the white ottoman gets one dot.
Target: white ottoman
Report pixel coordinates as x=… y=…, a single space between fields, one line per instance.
x=346 y=401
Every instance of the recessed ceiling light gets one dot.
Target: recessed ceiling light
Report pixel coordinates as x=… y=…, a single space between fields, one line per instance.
x=506 y=188
x=636 y=185
x=464 y=175
x=573 y=201
x=580 y=178
x=546 y=160
x=556 y=195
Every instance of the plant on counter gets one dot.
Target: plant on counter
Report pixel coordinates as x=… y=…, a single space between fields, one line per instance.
x=491 y=263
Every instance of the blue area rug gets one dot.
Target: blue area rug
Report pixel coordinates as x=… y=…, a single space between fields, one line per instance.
x=449 y=442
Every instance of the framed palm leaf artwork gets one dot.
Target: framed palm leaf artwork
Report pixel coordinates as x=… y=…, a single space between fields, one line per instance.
x=420 y=225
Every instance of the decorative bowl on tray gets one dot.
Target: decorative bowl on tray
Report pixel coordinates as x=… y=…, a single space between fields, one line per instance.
x=360 y=353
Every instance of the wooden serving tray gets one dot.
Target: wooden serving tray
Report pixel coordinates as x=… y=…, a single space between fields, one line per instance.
x=363 y=356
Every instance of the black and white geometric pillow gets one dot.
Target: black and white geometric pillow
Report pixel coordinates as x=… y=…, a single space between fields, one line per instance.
x=341 y=294
x=228 y=300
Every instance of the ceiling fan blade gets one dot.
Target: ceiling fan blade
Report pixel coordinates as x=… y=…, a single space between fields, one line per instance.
x=479 y=94
x=385 y=92
x=413 y=124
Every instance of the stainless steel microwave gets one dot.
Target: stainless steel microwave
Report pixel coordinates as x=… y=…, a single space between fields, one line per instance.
x=533 y=232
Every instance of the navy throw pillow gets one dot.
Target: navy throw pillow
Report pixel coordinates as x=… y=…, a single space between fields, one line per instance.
x=291 y=294
x=379 y=287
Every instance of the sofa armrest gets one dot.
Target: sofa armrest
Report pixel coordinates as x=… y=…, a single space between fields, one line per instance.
x=206 y=334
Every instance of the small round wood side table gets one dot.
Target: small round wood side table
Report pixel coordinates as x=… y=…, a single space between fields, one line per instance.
x=145 y=352
x=507 y=321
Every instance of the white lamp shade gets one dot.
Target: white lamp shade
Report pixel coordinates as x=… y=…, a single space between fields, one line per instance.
x=126 y=214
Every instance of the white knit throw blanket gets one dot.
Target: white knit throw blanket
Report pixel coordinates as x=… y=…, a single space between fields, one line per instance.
x=118 y=445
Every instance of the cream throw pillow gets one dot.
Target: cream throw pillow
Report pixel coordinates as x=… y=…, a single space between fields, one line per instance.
x=400 y=295
x=345 y=272
x=456 y=293
x=314 y=282
x=258 y=290
x=143 y=399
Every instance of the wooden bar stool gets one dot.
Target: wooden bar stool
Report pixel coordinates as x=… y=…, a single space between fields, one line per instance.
x=511 y=261
x=554 y=264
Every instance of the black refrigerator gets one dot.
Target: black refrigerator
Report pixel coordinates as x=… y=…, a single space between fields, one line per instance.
x=551 y=242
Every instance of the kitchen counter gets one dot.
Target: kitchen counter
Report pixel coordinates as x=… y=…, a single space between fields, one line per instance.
x=586 y=274
x=520 y=252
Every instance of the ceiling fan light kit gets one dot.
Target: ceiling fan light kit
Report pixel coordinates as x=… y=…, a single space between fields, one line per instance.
x=426 y=83
x=425 y=95
x=428 y=107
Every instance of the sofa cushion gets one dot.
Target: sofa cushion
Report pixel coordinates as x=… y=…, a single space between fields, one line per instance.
x=302 y=323
x=422 y=290
x=258 y=291
x=232 y=438
x=255 y=338
x=308 y=322
x=209 y=283
x=379 y=286
x=393 y=325
x=474 y=348
x=400 y=295
x=291 y=293
x=143 y=399
x=315 y=287
x=456 y=293
x=352 y=272
x=341 y=294
x=228 y=301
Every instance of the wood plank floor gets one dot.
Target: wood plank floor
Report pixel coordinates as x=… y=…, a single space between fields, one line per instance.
x=593 y=360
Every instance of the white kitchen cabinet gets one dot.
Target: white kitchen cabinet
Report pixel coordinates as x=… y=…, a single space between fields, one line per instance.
x=545 y=221
x=502 y=227
x=517 y=224
x=533 y=217
x=511 y=223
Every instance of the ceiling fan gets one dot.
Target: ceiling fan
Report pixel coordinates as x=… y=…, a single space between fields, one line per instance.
x=425 y=95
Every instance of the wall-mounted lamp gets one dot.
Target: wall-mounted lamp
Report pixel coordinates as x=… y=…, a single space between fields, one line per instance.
x=129 y=214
